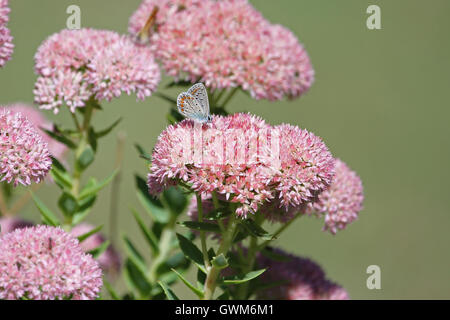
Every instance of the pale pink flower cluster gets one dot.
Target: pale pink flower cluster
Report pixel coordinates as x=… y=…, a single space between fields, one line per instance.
x=24 y=155
x=109 y=260
x=39 y=122
x=227 y=44
x=303 y=168
x=46 y=263
x=8 y=224
x=342 y=201
x=74 y=65
x=6 y=45
x=300 y=279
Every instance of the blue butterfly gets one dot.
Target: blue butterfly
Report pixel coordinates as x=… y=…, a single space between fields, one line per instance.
x=194 y=103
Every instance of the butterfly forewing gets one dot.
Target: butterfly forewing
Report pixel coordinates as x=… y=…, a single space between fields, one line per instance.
x=189 y=107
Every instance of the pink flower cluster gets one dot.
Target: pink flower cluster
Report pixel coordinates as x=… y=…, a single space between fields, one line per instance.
x=6 y=45
x=109 y=260
x=301 y=279
x=342 y=201
x=74 y=65
x=24 y=155
x=10 y=224
x=43 y=263
x=241 y=158
x=38 y=120
x=227 y=44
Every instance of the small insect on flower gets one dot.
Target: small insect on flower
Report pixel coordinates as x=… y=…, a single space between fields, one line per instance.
x=144 y=35
x=194 y=103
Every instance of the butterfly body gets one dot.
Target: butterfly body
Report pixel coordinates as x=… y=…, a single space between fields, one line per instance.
x=194 y=104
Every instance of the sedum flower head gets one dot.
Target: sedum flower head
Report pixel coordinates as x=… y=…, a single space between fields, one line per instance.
x=24 y=155
x=299 y=279
x=39 y=122
x=342 y=201
x=6 y=45
x=109 y=260
x=227 y=44
x=74 y=65
x=242 y=158
x=43 y=263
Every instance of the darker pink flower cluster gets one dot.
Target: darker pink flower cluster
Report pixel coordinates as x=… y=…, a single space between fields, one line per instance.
x=43 y=263
x=39 y=122
x=24 y=155
x=243 y=159
x=300 y=278
x=227 y=44
x=109 y=260
x=6 y=45
x=74 y=65
x=342 y=201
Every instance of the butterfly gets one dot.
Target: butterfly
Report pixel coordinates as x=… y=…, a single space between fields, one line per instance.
x=194 y=103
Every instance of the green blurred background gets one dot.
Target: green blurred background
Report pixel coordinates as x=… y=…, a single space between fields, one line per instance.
x=380 y=102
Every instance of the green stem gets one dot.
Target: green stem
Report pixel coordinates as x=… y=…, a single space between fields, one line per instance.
x=202 y=233
x=252 y=250
x=225 y=245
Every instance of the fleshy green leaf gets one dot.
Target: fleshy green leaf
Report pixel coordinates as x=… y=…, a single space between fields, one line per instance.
x=191 y=251
x=97 y=252
x=134 y=255
x=86 y=235
x=169 y=293
x=148 y=234
x=68 y=204
x=142 y=153
x=62 y=179
x=61 y=138
x=136 y=279
x=85 y=158
x=220 y=261
x=243 y=278
x=255 y=230
x=110 y=289
x=47 y=215
x=175 y=199
x=201 y=226
x=152 y=206
x=91 y=190
x=198 y=292
x=106 y=131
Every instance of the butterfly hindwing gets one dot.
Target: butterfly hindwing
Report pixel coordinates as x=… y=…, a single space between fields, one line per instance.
x=198 y=91
x=189 y=107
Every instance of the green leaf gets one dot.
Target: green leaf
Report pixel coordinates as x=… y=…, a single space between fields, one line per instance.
x=224 y=296
x=85 y=158
x=243 y=278
x=148 y=234
x=91 y=190
x=175 y=199
x=97 y=252
x=136 y=279
x=169 y=293
x=201 y=278
x=191 y=251
x=60 y=138
x=58 y=165
x=84 y=207
x=110 y=289
x=142 y=153
x=106 y=131
x=198 y=292
x=92 y=138
x=220 y=261
x=152 y=205
x=68 y=204
x=134 y=255
x=47 y=215
x=86 y=235
x=255 y=230
x=200 y=226
x=62 y=179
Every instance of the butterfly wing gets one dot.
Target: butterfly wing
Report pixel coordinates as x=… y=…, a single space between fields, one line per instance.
x=198 y=91
x=190 y=107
